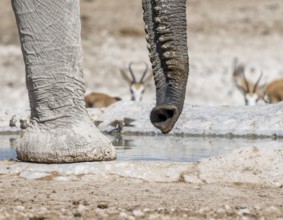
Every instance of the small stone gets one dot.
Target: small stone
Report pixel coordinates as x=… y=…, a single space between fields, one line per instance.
x=81 y=209
x=23 y=124
x=43 y=210
x=190 y=178
x=102 y=205
x=20 y=208
x=146 y=210
x=204 y=210
x=123 y=215
x=154 y=216
x=65 y=211
x=138 y=213
x=77 y=215
x=13 y=121
x=272 y=210
x=243 y=212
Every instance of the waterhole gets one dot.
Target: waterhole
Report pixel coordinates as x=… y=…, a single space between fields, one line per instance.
x=158 y=148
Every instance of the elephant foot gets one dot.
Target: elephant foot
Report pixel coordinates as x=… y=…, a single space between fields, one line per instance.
x=78 y=141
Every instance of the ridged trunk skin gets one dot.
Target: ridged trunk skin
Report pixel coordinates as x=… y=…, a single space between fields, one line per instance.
x=166 y=29
x=61 y=130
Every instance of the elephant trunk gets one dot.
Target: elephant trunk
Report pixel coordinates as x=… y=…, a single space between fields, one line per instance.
x=166 y=29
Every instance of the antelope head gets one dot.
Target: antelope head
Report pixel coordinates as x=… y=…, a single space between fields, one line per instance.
x=251 y=92
x=137 y=88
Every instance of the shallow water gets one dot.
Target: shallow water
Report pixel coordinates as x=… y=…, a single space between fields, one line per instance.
x=161 y=148
x=8 y=145
x=181 y=149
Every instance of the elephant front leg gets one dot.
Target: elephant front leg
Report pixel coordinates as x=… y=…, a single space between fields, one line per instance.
x=61 y=130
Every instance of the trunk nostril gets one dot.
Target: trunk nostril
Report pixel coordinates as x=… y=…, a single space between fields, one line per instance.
x=161 y=115
x=164 y=117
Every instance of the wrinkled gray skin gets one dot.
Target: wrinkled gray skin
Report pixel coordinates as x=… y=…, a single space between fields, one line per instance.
x=61 y=130
x=166 y=30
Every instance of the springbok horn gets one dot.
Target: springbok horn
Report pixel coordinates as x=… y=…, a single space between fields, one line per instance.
x=247 y=84
x=131 y=71
x=144 y=73
x=125 y=76
x=235 y=64
x=238 y=68
x=257 y=82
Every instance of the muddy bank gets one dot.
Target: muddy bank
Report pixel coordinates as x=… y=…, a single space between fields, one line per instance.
x=244 y=184
x=251 y=165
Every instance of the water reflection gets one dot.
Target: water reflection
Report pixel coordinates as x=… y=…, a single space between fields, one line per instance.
x=8 y=145
x=164 y=148
x=182 y=149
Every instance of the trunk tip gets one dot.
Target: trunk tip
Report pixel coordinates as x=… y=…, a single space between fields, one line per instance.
x=164 y=117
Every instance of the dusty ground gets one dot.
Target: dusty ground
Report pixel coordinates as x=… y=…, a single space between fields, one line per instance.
x=112 y=34
x=124 y=198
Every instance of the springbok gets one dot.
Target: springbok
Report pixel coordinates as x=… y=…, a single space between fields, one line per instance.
x=274 y=91
x=137 y=88
x=253 y=93
x=99 y=100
